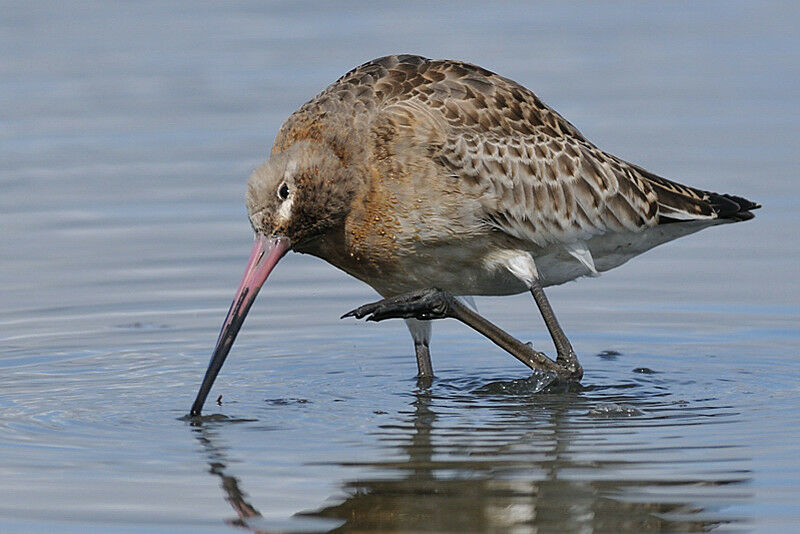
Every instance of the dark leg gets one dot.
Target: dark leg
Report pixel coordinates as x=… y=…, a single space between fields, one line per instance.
x=421 y=333
x=424 y=365
x=436 y=304
x=565 y=355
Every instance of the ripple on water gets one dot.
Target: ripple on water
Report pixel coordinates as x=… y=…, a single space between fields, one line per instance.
x=503 y=453
x=640 y=451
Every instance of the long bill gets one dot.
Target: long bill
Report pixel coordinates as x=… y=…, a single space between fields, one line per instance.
x=265 y=255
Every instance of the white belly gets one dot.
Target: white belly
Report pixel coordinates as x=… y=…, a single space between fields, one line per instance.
x=482 y=270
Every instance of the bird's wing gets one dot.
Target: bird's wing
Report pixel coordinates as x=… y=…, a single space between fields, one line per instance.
x=549 y=190
x=536 y=177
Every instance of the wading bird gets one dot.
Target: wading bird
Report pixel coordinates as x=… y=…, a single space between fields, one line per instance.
x=430 y=180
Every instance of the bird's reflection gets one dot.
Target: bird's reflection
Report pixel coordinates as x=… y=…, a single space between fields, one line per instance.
x=529 y=482
x=217 y=463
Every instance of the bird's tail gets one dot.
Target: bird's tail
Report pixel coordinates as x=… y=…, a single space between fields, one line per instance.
x=680 y=203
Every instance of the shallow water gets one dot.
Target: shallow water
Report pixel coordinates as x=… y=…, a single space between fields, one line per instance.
x=126 y=135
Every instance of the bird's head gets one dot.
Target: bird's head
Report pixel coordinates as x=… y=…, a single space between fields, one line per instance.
x=293 y=200
x=299 y=194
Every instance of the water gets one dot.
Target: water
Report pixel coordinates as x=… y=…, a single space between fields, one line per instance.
x=126 y=134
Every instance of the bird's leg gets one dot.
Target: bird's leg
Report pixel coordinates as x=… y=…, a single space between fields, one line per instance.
x=430 y=304
x=565 y=355
x=421 y=333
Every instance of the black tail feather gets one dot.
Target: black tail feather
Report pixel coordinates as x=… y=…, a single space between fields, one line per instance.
x=732 y=207
x=680 y=203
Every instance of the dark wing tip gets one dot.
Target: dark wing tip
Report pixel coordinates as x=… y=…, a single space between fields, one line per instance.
x=732 y=207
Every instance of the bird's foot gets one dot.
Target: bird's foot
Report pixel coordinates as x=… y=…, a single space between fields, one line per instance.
x=568 y=362
x=425 y=304
x=567 y=371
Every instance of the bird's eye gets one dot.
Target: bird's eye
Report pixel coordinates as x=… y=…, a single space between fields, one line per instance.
x=283 y=191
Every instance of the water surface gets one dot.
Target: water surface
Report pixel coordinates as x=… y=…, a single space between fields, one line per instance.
x=126 y=135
